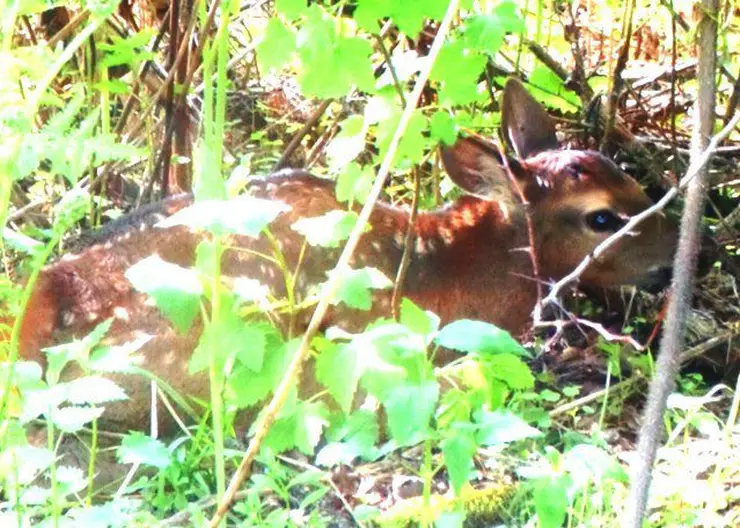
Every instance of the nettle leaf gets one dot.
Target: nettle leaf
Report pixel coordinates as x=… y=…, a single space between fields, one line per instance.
x=229 y=336
x=587 y=464
x=550 y=90
x=458 y=450
x=458 y=68
x=502 y=427
x=117 y=358
x=511 y=370
x=443 y=128
x=245 y=387
x=551 y=501
x=94 y=390
x=348 y=143
x=410 y=15
x=72 y=419
x=251 y=291
x=276 y=48
x=302 y=429
x=138 y=448
x=410 y=408
x=412 y=144
x=471 y=336
x=368 y=13
x=417 y=319
x=291 y=9
x=78 y=350
x=353 y=438
x=175 y=290
x=245 y=215
x=327 y=230
x=339 y=369
x=326 y=55
x=486 y=32
x=354 y=183
x=356 y=287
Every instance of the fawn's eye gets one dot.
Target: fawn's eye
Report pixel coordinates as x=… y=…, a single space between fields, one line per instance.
x=604 y=220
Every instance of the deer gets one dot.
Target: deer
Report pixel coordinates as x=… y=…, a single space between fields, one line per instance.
x=469 y=259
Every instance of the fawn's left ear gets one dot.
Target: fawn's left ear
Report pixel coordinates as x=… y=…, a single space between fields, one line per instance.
x=526 y=126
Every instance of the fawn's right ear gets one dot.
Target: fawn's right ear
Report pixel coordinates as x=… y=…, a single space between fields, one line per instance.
x=526 y=126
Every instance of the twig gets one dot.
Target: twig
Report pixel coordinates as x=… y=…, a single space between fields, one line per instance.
x=407 y=249
x=305 y=129
x=292 y=374
x=669 y=359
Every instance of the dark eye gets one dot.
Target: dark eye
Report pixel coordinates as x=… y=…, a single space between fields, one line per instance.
x=604 y=220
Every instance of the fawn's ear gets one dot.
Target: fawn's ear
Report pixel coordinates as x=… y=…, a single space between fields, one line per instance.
x=526 y=126
x=476 y=167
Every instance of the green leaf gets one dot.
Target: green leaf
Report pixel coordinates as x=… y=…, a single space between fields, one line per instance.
x=502 y=427
x=348 y=143
x=368 y=13
x=458 y=450
x=356 y=287
x=72 y=419
x=486 y=32
x=245 y=387
x=338 y=368
x=327 y=230
x=78 y=350
x=138 y=448
x=354 y=183
x=417 y=319
x=245 y=215
x=175 y=290
x=276 y=48
x=443 y=128
x=410 y=408
x=118 y=358
x=94 y=390
x=291 y=9
x=302 y=429
x=511 y=370
x=412 y=144
x=454 y=519
x=471 y=336
x=458 y=68
x=550 y=501
x=550 y=90
x=353 y=438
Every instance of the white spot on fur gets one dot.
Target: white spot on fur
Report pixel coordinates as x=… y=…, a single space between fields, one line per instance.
x=121 y=313
x=398 y=238
x=91 y=316
x=376 y=246
x=446 y=234
x=468 y=217
x=421 y=247
x=68 y=319
x=70 y=258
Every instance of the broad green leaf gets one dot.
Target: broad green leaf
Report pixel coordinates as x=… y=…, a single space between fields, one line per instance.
x=72 y=419
x=551 y=501
x=368 y=13
x=458 y=68
x=355 y=437
x=511 y=370
x=454 y=519
x=413 y=142
x=550 y=90
x=138 y=448
x=94 y=390
x=245 y=387
x=354 y=183
x=587 y=464
x=356 y=287
x=471 y=336
x=302 y=429
x=502 y=427
x=327 y=230
x=417 y=319
x=245 y=215
x=290 y=9
x=175 y=290
x=443 y=128
x=78 y=350
x=348 y=143
x=338 y=368
x=410 y=408
x=117 y=358
x=486 y=32
x=277 y=46
x=458 y=450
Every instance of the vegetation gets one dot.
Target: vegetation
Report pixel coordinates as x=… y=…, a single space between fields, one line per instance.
x=100 y=112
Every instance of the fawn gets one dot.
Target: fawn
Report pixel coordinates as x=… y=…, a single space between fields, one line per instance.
x=468 y=259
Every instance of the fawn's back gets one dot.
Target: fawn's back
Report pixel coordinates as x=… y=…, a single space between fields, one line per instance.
x=468 y=260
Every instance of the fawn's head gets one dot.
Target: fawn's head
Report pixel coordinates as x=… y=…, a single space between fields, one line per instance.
x=576 y=198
